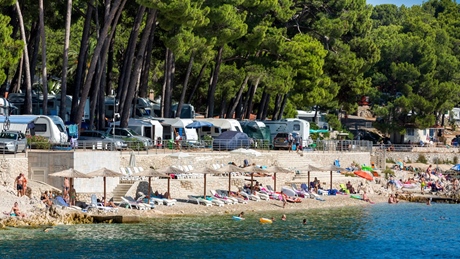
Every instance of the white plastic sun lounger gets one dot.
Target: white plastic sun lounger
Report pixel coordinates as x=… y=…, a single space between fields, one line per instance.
x=196 y=199
x=219 y=197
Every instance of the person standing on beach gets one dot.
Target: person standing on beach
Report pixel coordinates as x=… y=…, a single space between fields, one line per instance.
x=73 y=195
x=66 y=187
x=284 y=199
x=428 y=172
x=19 y=182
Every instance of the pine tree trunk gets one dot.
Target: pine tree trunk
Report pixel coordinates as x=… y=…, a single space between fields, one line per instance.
x=28 y=86
x=283 y=105
x=252 y=93
x=44 y=73
x=213 y=85
x=238 y=98
x=65 y=60
x=117 y=6
x=144 y=84
x=128 y=60
x=197 y=83
x=151 y=18
x=82 y=57
x=184 y=89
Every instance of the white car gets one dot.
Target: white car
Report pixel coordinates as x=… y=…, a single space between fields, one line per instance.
x=13 y=141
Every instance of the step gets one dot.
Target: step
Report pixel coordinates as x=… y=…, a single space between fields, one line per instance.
x=120 y=191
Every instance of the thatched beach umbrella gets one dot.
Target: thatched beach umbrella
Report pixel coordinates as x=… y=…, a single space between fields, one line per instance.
x=229 y=169
x=169 y=171
x=275 y=170
x=104 y=172
x=332 y=168
x=152 y=173
x=70 y=173
x=205 y=171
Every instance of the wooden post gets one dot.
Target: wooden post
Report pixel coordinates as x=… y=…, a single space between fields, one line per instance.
x=274 y=181
x=204 y=196
x=229 y=183
x=308 y=184
x=331 y=181
x=169 y=186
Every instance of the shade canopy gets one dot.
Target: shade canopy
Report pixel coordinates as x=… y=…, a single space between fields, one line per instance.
x=171 y=170
x=205 y=170
x=199 y=124
x=179 y=155
x=277 y=169
x=151 y=173
x=104 y=172
x=331 y=168
x=364 y=175
x=244 y=151
x=70 y=173
x=231 y=168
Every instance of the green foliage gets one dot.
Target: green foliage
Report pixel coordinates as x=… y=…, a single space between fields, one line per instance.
x=422 y=159
x=38 y=142
x=390 y=160
x=334 y=122
x=388 y=173
x=10 y=49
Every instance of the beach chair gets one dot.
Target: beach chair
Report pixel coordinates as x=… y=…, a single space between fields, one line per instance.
x=343 y=188
x=199 y=200
x=249 y=196
x=215 y=195
x=300 y=193
x=99 y=206
x=262 y=196
x=224 y=194
x=130 y=203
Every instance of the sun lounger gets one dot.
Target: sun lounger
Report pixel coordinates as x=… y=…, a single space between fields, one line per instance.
x=262 y=196
x=224 y=194
x=99 y=206
x=300 y=192
x=130 y=203
x=215 y=195
x=249 y=196
x=217 y=202
x=199 y=200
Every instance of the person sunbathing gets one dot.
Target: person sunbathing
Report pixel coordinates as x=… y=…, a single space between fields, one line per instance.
x=366 y=198
x=45 y=198
x=110 y=203
x=16 y=212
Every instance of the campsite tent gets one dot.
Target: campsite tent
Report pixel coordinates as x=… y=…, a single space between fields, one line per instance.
x=231 y=140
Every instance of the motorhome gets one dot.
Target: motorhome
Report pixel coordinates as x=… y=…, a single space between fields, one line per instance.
x=187 y=111
x=147 y=128
x=51 y=127
x=220 y=125
x=170 y=126
x=53 y=104
x=299 y=126
x=318 y=118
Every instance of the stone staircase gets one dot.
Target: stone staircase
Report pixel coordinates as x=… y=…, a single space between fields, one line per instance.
x=121 y=190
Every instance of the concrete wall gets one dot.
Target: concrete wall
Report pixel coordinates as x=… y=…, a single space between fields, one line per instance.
x=43 y=163
x=90 y=161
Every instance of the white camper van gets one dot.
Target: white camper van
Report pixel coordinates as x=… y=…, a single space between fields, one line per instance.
x=220 y=125
x=301 y=127
x=147 y=128
x=178 y=125
x=51 y=127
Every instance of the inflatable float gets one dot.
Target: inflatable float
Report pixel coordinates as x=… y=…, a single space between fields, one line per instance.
x=237 y=218
x=356 y=196
x=265 y=221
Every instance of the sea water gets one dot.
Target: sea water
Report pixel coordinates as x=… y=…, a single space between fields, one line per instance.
x=406 y=230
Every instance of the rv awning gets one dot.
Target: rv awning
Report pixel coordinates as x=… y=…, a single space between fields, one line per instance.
x=19 y=119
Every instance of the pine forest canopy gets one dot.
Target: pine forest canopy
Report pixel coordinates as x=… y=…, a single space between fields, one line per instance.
x=235 y=58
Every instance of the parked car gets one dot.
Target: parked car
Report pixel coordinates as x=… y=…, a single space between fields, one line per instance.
x=13 y=141
x=126 y=134
x=88 y=138
x=281 y=140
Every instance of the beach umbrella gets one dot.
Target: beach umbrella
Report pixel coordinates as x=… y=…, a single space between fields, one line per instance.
x=132 y=159
x=229 y=169
x=170 y=170
x=456 y=167
x=152 y=173
x=364 y=175
x=179 y=155
x=331 y=168
x=244 y=151
x=199 y=124
x=70 y=173
x=104 y=173
x=205 y=171
x=275 y=170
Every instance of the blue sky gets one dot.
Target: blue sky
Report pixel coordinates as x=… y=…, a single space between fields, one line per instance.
x=396 y=2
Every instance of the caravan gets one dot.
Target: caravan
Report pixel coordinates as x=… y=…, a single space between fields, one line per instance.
x=147 y=128
x=318 y=118
x=220 y=126
x=51 y=127
x=178 y=125
x=301 y=127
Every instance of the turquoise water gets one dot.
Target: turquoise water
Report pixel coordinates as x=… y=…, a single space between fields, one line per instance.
x=380 y=231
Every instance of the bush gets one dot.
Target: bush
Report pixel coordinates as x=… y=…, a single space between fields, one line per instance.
x=455 y=160
x=388 y=172
x=134 y=144
x=38 y=142
x=422 y=159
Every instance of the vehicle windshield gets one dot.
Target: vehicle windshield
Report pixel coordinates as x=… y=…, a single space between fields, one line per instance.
x=132 y=132
x=8 y=135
